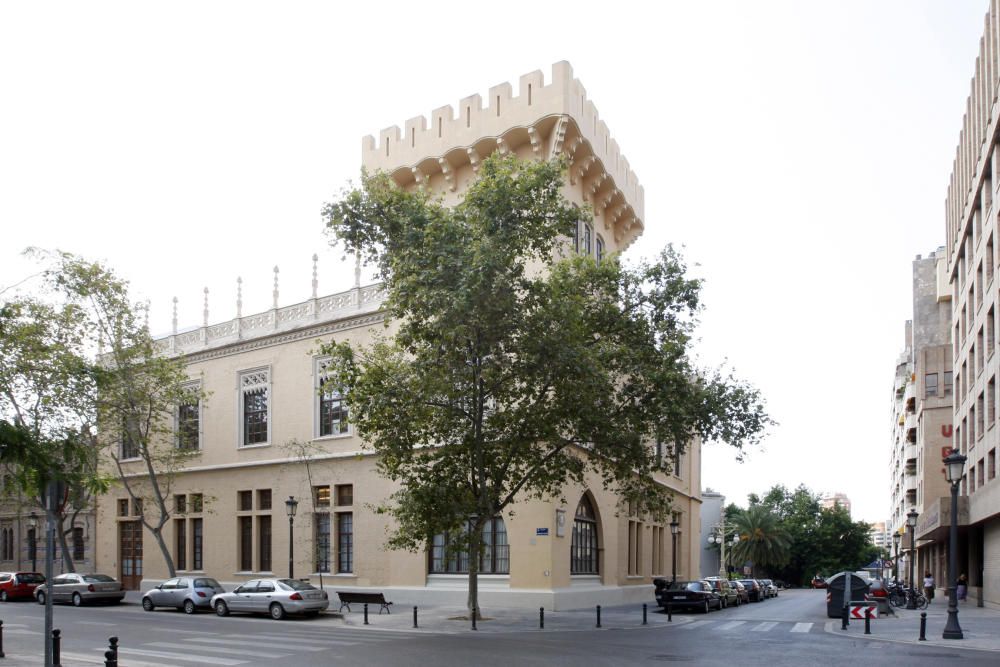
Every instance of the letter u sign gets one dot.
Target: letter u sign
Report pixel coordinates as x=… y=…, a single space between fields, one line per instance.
x=947 y=430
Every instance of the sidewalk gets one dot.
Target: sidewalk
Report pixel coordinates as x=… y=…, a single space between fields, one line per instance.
x=980 y=627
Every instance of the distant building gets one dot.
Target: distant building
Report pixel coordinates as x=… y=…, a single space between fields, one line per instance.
x=713 y=505
x=879 y=536
x=832 y=500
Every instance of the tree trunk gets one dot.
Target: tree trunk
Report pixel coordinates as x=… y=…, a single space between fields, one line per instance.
x=165 y=550
x=475 y=539
x=67 y=556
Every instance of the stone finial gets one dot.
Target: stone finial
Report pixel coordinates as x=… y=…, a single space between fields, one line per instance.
x=315 y=284
x=357 y=269
x=239 y=296
x=205 y=311
x=275 y=292
x=175 y=316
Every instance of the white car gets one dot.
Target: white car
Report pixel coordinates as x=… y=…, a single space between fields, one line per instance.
x=276 y=597
x=772 y=590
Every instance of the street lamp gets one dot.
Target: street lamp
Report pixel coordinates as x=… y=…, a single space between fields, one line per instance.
x=895 y=558
x=674 y=530
x=954 y=465
x=290 y=506
x=911 y=525
x=33 y=522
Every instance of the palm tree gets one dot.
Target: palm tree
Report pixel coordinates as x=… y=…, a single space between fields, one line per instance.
x=763 y=541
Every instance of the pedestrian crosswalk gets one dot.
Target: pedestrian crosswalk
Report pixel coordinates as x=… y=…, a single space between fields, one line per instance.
x=748 y=626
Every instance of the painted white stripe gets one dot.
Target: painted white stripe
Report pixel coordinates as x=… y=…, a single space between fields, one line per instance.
x=802 y=627
x=301 y=646
x=95 y=660
x=177 y=656
x=763 y=627
x=731 y=624
x=300 y=639
x=695 y=624
x=227 y=650
x=95 y=623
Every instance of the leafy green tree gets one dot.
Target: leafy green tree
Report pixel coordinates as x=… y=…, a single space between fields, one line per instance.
x=763 y=540
x=512 y=372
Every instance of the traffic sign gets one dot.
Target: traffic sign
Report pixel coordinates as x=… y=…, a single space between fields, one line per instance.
x=859 y=609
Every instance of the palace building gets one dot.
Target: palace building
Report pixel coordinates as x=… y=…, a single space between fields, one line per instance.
x=267 y=433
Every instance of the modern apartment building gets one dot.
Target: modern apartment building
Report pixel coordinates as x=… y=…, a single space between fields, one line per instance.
x=264 y=381
x=922 y=413
x=836 y=499
x=971 y=253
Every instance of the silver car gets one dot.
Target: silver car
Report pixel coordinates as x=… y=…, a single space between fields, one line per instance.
x=80 y=588
x=187 y=593
x=276 y=597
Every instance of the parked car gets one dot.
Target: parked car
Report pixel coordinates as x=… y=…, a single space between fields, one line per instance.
x=741 y=590
x=187 y=593
x=697 y=595
x=769 y=588
x=276 y=597
x=15 y=585
x=754 y=589
x=725 y=590
x=79 y=588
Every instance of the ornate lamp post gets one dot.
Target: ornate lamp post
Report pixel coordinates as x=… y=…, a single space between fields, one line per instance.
x=895 y=558
x=290 y=506
x=33 y=542
x=954 y=465
x=911 y=526
x=674 y=530
x=718 y=536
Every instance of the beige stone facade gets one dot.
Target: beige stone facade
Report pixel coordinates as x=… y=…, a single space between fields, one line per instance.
x=230 y=518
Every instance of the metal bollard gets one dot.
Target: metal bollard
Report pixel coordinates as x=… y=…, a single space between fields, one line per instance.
x=56 y=640
x=414 y=616
x=843 y=618
x=113 y=647
x=868 y=620
x=475 y=613
x=923 y=626
x=670 y=615
x=366 y=613
x=541 y=618
x=598 y=615
x=644 y=613
x=109 y=659
x=1 y=641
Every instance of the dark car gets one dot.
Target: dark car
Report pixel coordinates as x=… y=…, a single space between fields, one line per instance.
x=754 y=590
x=741 y=590
x=19 y=585
x=726 y=591
x=687 y=595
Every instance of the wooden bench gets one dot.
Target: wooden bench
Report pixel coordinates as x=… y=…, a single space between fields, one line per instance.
x=347 y=599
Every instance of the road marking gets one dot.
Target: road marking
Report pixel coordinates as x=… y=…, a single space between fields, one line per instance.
x=314 y=640
x=731 y=624
x=95 y=623
x=802 y=627
x=302 y=646
x=220 y=649
x=763 y=627
x=696 y=624
x=176 y=656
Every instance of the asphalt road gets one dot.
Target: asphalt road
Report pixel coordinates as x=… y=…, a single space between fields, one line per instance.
x=788 y=630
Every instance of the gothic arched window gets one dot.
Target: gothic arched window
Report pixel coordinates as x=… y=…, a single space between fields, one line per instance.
x=583 y=551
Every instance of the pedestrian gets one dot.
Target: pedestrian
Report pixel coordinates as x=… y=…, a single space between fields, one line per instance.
x=962 y=587
x=929 y=586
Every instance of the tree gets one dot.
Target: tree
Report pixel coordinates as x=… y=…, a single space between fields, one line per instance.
x=512 y=372
x=137 y=392
x=763 y=540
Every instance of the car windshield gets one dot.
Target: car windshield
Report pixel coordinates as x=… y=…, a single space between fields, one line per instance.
x=91 y=578
x=31 y=578
x=206 y=583
x=296 y=585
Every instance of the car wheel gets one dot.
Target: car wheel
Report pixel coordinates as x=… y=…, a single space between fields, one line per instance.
x=189 y=607
x=723 y=603
x=77 y=600
x=148 y=605
x=277 y=611
x=3 y=596
x=705 y=610
x=41 y=598
x=221 y=608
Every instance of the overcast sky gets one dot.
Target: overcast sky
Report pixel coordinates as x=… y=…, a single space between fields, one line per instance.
x=799 y=151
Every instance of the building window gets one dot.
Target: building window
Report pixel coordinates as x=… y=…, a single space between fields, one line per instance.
x=180 y=549
x=345 y=542
x=981 y=468
x=584 y=549
x=196 y=543
x=7 y=544
x=32 y=544
x=980 y=414
x=264 y=499
x=991 y=396
x=345 y=495
x=245 y=528
x=600 y=248
x=321 y=495
x=989 y=260
x=264 y=542
x=990 y=331
x=634 y=546
x=196 y=502
x=189 y=420
x=576 y=237
x=930 y=385
x=123 y=507
x=255 y=422
x=244 y=501
x=130 y=439
x=322 y=529
x=450 y=553
x=658 y=548
x=675 y=453
x=180 y=503
x=948 y=383
x=78 y=543
x=588 y=235
x=137 y=507
x=991 y=464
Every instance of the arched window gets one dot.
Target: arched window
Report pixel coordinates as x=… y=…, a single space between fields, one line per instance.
x=583 y=551
x=600 y=248
x=588 y=235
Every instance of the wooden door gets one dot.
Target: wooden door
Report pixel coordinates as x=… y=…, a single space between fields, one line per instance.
x=130 y=554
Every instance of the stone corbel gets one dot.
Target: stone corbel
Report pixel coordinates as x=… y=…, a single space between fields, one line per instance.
x=536 y=141
x=577 y=172
x=595 y=185
x=502 y=146
x=419 y=177
x=449 y=173
x=473 y=159
x=559 y=136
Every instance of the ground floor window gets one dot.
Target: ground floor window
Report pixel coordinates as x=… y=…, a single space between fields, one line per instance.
x=196 y=543
x=264 y=543
x=321 y=523
x=345 y=542
x=450 y=553
x=180 y=555
x=583 y=549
